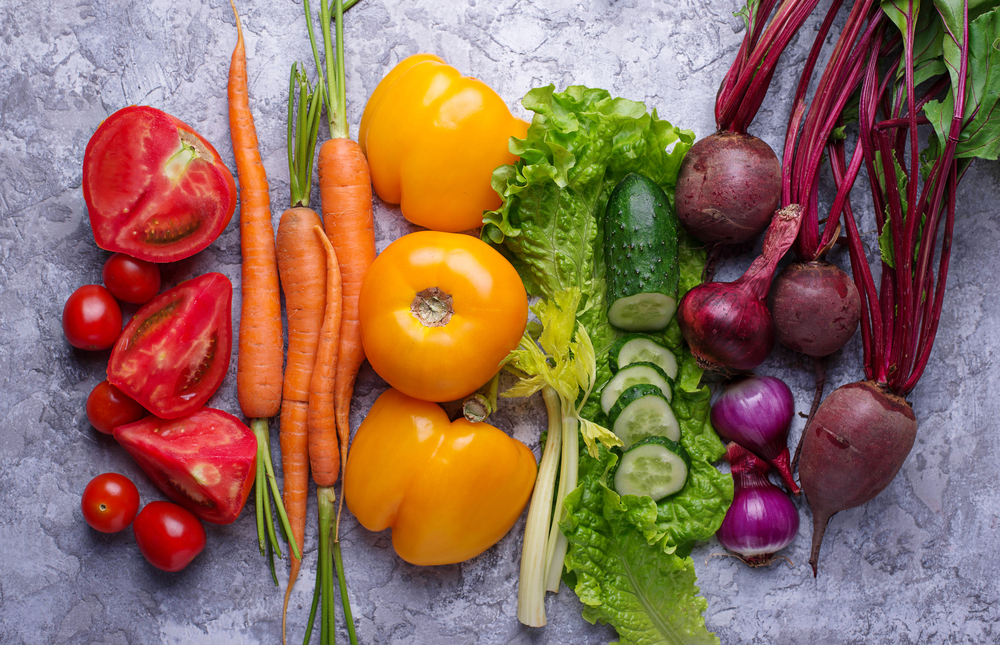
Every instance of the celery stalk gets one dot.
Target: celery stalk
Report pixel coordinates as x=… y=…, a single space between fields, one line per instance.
x=531 y=587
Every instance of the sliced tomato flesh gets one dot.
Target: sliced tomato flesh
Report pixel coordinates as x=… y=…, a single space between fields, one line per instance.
x=206 y=462
x=175 y=352
x=155 y=189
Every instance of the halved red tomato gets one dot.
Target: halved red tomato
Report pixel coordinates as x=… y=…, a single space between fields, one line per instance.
x=206 y=462
x=174 y=353
x=155 y=189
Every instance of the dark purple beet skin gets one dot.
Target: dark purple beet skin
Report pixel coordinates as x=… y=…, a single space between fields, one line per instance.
x=728 y=188
x=854 y=446
x=815 y=307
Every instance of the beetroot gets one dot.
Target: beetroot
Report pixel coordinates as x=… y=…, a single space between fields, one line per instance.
x=729 y=184
x=815 y=307
x=861 y=435
x=851 y=450
x=728 y=188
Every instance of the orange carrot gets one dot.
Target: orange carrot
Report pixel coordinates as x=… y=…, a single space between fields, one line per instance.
x=324 y=453
x=260 y=351
x=346 y=195
x=302 y=266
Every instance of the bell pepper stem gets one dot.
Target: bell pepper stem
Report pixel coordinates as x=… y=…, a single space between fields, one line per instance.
x=479 y=405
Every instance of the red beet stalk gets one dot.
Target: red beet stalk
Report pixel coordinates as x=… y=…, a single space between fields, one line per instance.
x=815 y=304
x=863 y=432
x=729 y=183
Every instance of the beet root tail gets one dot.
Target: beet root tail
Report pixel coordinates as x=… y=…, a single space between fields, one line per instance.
x=819 y=530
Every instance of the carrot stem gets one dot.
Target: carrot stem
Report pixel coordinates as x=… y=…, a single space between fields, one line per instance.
x=344 y=599
x=325 y=498
x=260 y=430
x=303 y=126
x=312 y=613
x=293 y=177
x=258 y=497
x=270 y=564
x=336 y=105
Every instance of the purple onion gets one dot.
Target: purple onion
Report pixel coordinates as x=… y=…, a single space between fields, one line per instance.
x=756 y=412
x=762 y=520
x=727 y=325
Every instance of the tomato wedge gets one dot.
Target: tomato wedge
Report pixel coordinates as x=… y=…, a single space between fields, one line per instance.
x=174 y=353
x=206 y=462
x=155 y=189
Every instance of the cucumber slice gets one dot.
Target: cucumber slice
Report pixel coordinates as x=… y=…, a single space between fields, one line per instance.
x=642 y=312
x=656 y=467
x=642 y=411
x=635 y=374
x=639 y=348
x=640 y=254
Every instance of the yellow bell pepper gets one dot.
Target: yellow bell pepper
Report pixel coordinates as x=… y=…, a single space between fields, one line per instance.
x=433 y=139
x=449 y=490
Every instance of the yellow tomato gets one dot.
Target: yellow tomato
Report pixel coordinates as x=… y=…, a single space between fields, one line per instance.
x=433 y=139
x=449 y=491
x=439 y=312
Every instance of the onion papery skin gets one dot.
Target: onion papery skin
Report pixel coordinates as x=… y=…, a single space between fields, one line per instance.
x=762 y=520
x=851 y=450
x=815 y=307
x=728 y=187
x=756 y=413
x=728 y=330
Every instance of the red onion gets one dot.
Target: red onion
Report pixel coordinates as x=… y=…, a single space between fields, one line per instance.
x=756 y=412
x=762 y=520
x=727 y=324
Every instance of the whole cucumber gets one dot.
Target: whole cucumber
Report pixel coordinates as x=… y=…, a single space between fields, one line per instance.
x=640 y=254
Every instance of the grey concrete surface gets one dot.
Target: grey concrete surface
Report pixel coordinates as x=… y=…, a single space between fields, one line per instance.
x=919 y=564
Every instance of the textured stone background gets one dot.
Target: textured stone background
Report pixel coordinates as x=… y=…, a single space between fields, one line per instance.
x=917 y=565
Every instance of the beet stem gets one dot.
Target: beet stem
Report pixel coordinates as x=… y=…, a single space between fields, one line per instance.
x=819 y=369
x=746 y=83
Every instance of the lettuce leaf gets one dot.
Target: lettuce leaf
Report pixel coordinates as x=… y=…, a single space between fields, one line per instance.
x=628 y=557
x=648 y=594
x=580 y=144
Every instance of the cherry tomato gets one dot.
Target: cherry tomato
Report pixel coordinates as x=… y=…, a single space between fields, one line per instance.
x=154 y=188
x=110 y=502
x=168 y=536
x=92 y=318
x=108 y=407
x=130 y=279
x=175 y=351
